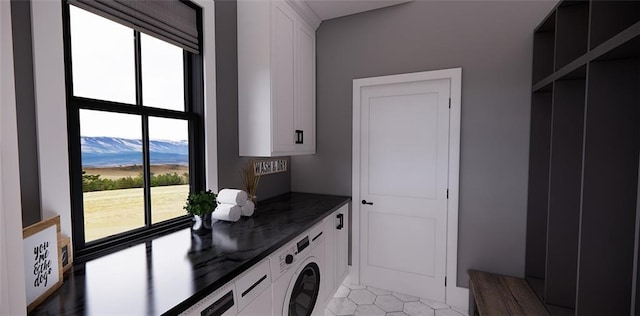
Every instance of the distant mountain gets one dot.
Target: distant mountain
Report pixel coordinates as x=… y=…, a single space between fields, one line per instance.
x=113 y=151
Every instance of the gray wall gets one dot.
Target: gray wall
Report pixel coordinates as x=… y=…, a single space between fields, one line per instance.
x=26 y=112
x=229 y=163
x=492 y=42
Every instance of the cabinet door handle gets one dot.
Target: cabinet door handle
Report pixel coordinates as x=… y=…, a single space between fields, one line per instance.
x=264 y=277
x=341 y=223
x=299 y=136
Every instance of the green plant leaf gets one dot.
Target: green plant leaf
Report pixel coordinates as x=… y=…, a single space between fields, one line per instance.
x=200 y=203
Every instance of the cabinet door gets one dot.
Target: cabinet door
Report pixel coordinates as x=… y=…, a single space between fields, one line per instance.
x=221 y=302
x=342 y=243
x=252 y=283
x=260 y=306
x=283 y=39
x=330 y=285
x=306 y=83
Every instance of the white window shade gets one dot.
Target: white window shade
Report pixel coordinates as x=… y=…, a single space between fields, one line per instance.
x=170 y=20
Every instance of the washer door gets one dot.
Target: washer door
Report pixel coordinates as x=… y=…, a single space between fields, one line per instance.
x=304 y=290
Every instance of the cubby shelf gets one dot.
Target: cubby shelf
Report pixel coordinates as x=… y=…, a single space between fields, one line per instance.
x=609 y=18
x=540 y=149
x=577 y=32
x=543 y=48
x=582 y=237
x=572 y=31
x=564 y=190
x=610 y=181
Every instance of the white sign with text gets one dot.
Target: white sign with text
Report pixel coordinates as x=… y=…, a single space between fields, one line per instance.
x=263 y=167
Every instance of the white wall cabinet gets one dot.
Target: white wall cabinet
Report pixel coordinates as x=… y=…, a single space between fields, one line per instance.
x=276 y=80
x=337 y=250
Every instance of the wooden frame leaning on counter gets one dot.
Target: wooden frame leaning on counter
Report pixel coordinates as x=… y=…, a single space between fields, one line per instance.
x=43 y=266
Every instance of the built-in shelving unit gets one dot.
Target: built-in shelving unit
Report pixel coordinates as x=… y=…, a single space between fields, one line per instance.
x=543 y=44
x=610 y=182
x=540 y=149
x=564 y=189
x=582 y=222
x=608 y=18
x=572 y=30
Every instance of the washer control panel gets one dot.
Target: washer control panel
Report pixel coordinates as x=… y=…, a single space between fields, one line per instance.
x=287 y=257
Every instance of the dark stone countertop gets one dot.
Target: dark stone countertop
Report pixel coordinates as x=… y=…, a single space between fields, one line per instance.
x=170 y=273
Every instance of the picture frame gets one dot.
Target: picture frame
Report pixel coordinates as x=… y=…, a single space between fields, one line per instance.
x=66 y=254
x=43 y=267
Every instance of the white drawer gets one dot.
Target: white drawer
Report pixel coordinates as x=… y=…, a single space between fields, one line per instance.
x=252 y=283
x=215 y=303
x=316 y=234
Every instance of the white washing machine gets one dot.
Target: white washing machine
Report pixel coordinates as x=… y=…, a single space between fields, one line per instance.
x=296 y=272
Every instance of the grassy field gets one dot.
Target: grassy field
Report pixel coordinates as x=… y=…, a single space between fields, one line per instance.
x=110 y=212
x=132 y=171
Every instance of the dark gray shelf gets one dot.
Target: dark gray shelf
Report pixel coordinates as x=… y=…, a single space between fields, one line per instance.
x=539 y=150
x=572 y=31
x=564 y=192
x=543 y=49
x=609 y=18
x=584 y=156
x=606 y=50
x=560 y=311
x=612 y=143
x=538 y=287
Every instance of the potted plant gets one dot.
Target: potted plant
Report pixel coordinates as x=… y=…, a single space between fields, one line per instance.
x=201 y=205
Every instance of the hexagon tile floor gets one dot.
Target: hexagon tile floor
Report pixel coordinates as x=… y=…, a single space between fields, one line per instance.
x=370 y=301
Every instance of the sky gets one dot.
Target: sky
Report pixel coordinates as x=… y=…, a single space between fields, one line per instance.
x=103 y=68
x=95 y=123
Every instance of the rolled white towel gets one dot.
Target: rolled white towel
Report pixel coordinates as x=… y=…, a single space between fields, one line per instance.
x=232 y=196
x=227 y=212
x=247 y=209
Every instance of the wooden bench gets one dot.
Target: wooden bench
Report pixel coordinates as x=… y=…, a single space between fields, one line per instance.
x=492 y=294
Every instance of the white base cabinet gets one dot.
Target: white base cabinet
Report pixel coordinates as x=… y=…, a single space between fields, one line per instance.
x=260 y=305
x=276 y=80
x=337 y=250
x=247 y=295
x=342 y=244
x=251 y=293
x=221 y=302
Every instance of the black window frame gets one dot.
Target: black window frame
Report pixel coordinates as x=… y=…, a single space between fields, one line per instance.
x=193 y=113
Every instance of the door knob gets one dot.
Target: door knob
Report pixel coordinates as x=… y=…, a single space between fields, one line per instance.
x=367 y=203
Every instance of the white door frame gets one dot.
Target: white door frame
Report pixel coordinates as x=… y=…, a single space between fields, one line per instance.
x=13 y=299
x=455 y=296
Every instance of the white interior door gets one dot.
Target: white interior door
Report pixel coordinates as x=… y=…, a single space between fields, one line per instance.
x=404 y=154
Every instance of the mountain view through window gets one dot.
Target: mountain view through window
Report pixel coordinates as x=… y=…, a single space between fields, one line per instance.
x=129 y=91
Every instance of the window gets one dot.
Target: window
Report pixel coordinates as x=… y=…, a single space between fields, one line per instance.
x=134 y=107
